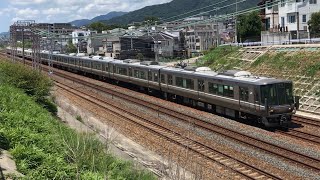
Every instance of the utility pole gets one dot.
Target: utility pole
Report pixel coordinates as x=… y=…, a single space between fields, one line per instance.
x=236 y=19
x=23 y=58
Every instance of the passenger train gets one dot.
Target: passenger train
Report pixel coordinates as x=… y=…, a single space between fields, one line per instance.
x=232 y=93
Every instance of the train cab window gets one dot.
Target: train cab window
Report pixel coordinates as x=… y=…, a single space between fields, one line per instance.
x=244 y=94
x=170 y=79
x=163 y=78
x=289 y=94
x=201 y=85
x=155 y=77
x=269 y=92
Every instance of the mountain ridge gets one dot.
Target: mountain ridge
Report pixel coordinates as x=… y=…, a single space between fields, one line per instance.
x=83 y=22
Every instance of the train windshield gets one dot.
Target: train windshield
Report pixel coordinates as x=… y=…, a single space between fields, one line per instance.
x=277 y=94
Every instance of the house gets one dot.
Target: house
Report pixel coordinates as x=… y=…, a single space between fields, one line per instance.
x=112 y=47
x=287 y=21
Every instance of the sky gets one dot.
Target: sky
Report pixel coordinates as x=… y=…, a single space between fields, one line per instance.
x=56 y=11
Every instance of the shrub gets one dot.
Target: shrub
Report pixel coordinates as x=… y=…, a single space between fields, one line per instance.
x=32 y=82
x=44 y=148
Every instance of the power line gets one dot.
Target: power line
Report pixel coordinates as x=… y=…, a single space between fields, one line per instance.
x=195 y=10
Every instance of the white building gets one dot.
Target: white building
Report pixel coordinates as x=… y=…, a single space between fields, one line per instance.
x=79 y=35
x=294 y=16
x=288 y=17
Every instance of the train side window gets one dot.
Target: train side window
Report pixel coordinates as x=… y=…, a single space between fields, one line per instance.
x=244 y=94
x=213 y=88
x=231 y=91
x=149 y=75
x=220 y=90
x=170 y=80
x=136 y=74
x=130 y=72
x=163 y=78
x=155 y=77
x=179 y=82
x=201 y=85
x=142 y=75
x=188 y=83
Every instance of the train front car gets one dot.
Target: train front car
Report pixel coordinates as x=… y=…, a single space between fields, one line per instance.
x=276 y=96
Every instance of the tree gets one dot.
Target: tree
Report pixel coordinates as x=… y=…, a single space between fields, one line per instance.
x=140 y=56
x=97 y=26
x=249 y=26
x=314 y=24
x=71 y=48
x=151 y=19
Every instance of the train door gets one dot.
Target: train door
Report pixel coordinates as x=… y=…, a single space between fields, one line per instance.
x=201 y=88
x=149 y=77
x=130 y=74
x=257 y=100
x=244 y=98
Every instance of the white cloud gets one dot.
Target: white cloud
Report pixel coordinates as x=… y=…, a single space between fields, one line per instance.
x=67 y=10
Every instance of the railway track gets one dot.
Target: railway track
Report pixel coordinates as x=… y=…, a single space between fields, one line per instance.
x=306 y=121
x=286 y=154
x=300 y=135
x=289 y=155
x=211 y=155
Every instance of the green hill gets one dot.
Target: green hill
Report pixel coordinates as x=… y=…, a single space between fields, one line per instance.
x=177 y=7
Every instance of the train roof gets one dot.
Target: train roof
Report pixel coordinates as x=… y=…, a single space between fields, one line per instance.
x=230 y=75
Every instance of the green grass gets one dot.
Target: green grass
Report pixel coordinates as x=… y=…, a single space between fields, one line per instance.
x=218 y=58
x=43 y=147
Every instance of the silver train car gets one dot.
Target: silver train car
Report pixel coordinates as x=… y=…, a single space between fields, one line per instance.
x=232 y=93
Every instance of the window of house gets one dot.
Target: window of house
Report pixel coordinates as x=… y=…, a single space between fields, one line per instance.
x=292 y=19
x=313 y=1
x=269 y=5
x=304 y=18
x=283 y=3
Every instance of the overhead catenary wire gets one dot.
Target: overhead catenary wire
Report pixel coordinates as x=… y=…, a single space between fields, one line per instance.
x=245 y=11
x=195 y=10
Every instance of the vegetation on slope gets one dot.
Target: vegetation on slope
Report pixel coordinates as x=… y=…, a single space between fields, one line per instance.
x=218 y=58
x=300 y=63
x=42 y=146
